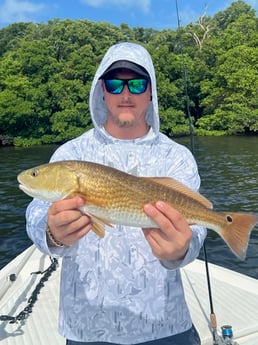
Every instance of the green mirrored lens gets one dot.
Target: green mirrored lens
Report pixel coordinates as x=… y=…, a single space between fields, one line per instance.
x=114 y=85
x=137 y=85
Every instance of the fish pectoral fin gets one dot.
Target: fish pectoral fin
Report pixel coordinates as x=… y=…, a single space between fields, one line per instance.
x=98 y=225
x=170 y=182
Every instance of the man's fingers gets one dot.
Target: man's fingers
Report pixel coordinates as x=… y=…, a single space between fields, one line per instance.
x=66 y=204
x=171 y=240
x=158 y=214
x=164 y=216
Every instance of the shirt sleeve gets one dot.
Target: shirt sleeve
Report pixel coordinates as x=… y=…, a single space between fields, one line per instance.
x=36 y=216
x=185 y=170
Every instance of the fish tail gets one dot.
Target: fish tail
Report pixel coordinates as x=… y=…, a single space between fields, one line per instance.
x=237 y=232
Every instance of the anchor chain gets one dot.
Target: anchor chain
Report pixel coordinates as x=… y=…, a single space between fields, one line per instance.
x=24 y=314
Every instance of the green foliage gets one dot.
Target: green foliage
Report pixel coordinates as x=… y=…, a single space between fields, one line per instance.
x=207 y=70
x=174 y=123
x=230 y=94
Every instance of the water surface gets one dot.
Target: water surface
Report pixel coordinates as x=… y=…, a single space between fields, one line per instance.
x=228 y=167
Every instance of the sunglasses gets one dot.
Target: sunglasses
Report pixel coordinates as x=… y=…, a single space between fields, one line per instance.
x=135 y=86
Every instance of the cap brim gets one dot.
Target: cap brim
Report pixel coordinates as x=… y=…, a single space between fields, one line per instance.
x=124 y=64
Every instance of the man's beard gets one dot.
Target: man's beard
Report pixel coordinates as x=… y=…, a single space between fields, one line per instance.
x=125 y=123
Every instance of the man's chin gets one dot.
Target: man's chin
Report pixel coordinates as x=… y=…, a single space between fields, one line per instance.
x=125 y=122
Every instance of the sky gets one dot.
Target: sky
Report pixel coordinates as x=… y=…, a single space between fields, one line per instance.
x=156 y=14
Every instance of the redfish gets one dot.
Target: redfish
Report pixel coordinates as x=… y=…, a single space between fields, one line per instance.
x=115 y=197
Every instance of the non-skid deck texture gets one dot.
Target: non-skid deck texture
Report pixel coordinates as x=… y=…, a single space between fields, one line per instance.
x=235 y=300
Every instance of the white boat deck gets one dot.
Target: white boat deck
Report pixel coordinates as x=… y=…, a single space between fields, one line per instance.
x=41 y=326
x=235 y=301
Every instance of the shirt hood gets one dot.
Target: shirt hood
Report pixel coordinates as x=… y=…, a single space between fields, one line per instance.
x=134 y=53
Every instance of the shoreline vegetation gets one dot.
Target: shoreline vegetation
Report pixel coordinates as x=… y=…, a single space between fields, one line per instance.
x=46 y=70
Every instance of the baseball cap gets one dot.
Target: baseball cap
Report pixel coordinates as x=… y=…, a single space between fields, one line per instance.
x=128 y=65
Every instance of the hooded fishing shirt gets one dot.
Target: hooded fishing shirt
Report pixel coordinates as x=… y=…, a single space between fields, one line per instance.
x=113 y=289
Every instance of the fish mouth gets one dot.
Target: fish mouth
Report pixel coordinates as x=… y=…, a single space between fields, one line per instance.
x=26 y=190
x=42 y=194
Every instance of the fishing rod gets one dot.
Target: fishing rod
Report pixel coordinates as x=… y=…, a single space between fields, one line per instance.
x=227 y=333
x=191 y=128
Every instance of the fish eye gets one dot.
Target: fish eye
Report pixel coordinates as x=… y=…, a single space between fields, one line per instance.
x=229 y=219
x=34 y=173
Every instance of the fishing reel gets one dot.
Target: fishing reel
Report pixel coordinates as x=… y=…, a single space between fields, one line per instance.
x=226 y=337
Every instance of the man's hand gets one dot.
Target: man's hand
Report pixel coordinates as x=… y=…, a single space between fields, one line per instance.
x=66 y=222
x=170 y=241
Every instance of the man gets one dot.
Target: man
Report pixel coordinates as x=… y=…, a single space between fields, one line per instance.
x=126 y=287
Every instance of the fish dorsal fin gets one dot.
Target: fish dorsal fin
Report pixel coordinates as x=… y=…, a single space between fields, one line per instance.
x=170 y=182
